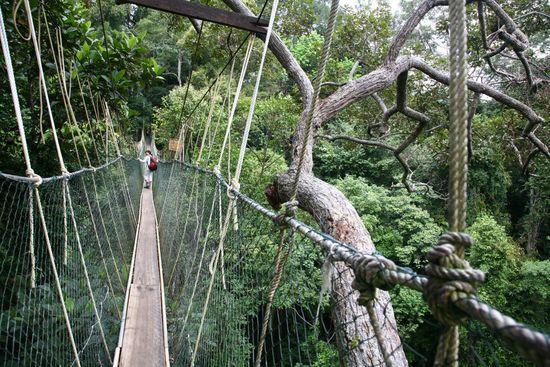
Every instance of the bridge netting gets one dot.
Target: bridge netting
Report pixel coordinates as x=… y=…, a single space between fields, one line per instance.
x=244 y=286
x=216 y=300
x=33 y=331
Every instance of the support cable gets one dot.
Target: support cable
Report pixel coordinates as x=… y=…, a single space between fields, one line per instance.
x=291 y=205
x=235 y=180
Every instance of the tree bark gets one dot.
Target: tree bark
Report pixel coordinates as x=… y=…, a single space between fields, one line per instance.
x=338 y=218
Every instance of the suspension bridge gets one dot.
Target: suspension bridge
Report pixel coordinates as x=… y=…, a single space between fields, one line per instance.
x=97 y=270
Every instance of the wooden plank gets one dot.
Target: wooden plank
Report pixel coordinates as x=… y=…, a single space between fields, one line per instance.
x=206 y=13
x=144 y=342
x=143 y=335
x=146 y=269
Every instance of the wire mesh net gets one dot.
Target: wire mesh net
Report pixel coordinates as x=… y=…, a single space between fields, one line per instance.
x=218 y=271
x=217 y=296
x=33 y=330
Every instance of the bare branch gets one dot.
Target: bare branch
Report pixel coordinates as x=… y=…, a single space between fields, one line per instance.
x=380 y=102
x=410 y=25
x=539 y=144
x=474 y=86
x=407 y=171
x=528 y=160
x=332 y=84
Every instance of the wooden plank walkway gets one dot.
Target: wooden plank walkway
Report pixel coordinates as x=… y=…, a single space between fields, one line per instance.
x=143 y=342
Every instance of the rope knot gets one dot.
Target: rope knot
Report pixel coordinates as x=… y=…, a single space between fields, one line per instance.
x=217 y=170
x=450 y=277
x=291 y=207
x=234 y=186
x=371 y=273
x=36 y=179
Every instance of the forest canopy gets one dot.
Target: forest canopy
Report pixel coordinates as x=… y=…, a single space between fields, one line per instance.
x=382 y=152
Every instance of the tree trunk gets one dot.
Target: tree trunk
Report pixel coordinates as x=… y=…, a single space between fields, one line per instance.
x=180 y=56
x=534 y=222
x=338 y=218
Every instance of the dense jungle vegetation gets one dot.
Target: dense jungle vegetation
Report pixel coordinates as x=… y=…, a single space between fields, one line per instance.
x=143 y=69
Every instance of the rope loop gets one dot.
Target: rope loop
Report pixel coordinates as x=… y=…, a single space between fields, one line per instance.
x=291 y=207
x=450 y=277
x=235 y=186
x=36 y=179
x=369 y=275
x=217 y=170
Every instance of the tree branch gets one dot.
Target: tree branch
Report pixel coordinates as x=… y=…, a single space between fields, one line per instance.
x=407 y=171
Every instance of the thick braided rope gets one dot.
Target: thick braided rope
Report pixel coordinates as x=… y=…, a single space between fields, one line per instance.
x=458 y=138
x=316 y=90
x=447 y=350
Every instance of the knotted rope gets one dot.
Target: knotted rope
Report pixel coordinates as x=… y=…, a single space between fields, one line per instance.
x=450 y=278
x=448 y=255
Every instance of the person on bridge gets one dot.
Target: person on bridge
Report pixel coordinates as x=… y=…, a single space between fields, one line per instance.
x=150 y=166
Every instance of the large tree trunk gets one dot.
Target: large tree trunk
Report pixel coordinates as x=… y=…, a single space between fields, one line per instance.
x=338 y=218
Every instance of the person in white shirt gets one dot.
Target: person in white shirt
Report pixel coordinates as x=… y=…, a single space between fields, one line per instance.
x=147 y=173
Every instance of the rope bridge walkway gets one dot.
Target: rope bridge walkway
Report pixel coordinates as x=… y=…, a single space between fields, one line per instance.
x=143 y=338
x=97 y=271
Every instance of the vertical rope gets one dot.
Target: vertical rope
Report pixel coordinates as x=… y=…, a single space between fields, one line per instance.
x=458 y=134
x=235 y=180
x=447 y=350
x=31 y=238
x=316 y=90
x=248 y=123
x=14 y=94
x=236 y=98
x=280 y=259
x=65 y=228
x=85 y=269
x=42 y=78
x=23 y=138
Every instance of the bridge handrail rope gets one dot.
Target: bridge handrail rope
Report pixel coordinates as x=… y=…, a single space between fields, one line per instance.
x=384 y=273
